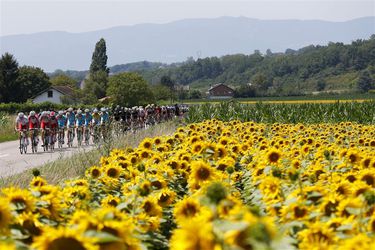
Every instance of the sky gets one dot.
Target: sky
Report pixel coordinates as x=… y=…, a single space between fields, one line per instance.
x=30 y=16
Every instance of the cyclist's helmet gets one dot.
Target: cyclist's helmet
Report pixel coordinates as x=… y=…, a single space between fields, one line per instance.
x=70 y=109
x=87 y=110
x=20 y=114
x=52 y=113
x=79 y=112
x=95 y=110
x=103 y=109
x=61 y=112
x=32 y=113
x=68 y=113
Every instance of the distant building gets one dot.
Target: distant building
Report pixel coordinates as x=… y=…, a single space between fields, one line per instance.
x=220 y=91
x=53 y=94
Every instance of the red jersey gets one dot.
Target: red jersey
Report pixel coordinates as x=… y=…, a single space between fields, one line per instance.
x=33 y=122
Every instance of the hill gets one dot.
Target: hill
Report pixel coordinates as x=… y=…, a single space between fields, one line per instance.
x=176 y=41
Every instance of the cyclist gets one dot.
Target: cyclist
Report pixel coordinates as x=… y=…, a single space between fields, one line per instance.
x=53 y=125
x=80 y=121
x=22 y=123
x=71 y=120
x=34 y=124
x=87 y=125
x=44 y=120
x=61 y=122
x=104 y=120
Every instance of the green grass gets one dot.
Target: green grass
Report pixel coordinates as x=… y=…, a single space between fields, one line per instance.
x=75 y=166
x=7 y=132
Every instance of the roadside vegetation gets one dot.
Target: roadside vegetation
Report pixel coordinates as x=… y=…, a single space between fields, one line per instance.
x=75 y=166
x=357 y=112
x=7 y=127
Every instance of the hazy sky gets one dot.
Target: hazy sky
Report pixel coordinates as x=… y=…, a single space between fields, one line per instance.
x=30 y=16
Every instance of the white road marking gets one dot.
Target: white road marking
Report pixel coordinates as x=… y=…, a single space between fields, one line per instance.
x=3 y=155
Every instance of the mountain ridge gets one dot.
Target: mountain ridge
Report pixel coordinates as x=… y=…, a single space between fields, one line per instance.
x=175 y=41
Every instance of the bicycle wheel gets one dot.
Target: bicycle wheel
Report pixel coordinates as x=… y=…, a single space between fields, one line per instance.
x=21 y=146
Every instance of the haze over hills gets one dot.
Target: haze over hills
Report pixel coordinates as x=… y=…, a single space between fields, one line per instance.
x=175 y=41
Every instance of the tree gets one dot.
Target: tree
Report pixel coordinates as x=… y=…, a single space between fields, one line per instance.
x=365 y=82
x=96 y=85
x=63 y=80
x=9 y=87
x=161 y=92
x=99 y=58
x=129 y=89
x=31 y=80
x=167 y=82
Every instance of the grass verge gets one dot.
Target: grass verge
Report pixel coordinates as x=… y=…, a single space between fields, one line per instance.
x=7 y=128
x=76 y=165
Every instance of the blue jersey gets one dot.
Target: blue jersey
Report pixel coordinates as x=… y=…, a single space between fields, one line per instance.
x=88 y=118
x=80 y=120
x=61 y=121
x=71 y=120
x=104 y=118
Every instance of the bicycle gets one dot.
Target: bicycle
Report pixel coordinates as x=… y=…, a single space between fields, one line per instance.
x=87 y=135
x=46 y=139
x=52 y=139
x=23 y=142
x=79 y=135
x=96 y=134
x=60 y=137
x=34 y=140
x=70 y=137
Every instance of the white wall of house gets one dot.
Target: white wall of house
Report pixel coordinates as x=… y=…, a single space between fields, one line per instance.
x=43 y=97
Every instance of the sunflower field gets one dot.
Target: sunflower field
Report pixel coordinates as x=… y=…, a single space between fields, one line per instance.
x=211 y=185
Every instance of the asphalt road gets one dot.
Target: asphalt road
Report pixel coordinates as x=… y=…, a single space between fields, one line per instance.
x=12 y=162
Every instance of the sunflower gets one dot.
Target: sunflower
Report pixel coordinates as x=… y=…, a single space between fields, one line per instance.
x=7 y=245
x=270 y=186
x=146 y=144
x=20 y=200
x=123 y=230
x=166 y=197
x=110 y=201
x=359 y=241
x=352 y=156
x=197 y=147
x=368 y=176
x=113 y=171
x=151 y=207
x=94 y=172
x=200 y=172
x=63 y=238
x=371 y=224
x=294 y=211
x=196 y=234
x=186 y=209
x=5 y=216
x=273 y=155
x=37 y=182
x=349 y=207
x=317 y=236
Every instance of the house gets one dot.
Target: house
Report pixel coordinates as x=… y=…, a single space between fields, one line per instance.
x=53 y=94
x=220 y=91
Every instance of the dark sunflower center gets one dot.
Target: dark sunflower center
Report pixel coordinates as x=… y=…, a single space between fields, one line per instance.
x=112 y=172
x=299 y=212
x=189 y=210
x=203 y=173
x=368 y=179
x=274 y=157
x=65 y=243
x=95 y=172
x=164 y=198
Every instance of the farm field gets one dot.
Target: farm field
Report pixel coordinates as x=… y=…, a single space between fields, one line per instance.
x=210 y=185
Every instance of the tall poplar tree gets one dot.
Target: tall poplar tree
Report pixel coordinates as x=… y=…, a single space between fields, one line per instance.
x=96 y=85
